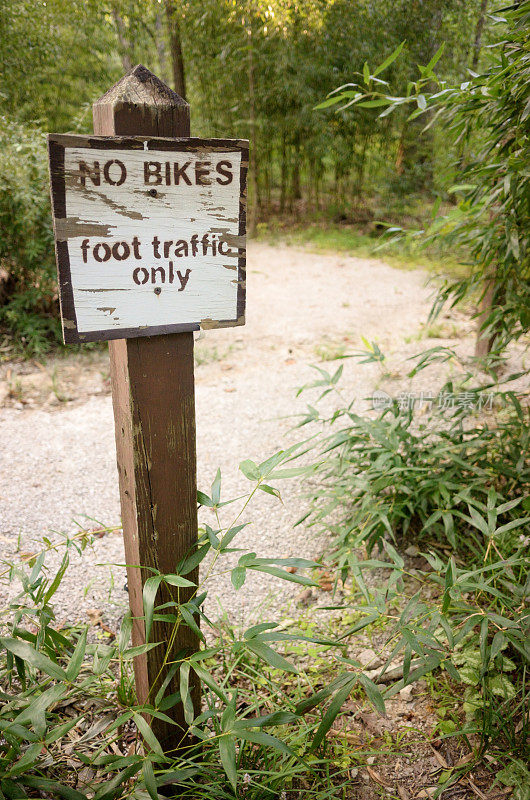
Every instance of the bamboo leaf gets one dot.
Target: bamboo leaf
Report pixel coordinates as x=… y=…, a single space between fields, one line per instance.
x=270 y=656
x=189 y=713
x=76 y=662
x=227 y=751
x=149 y=595
x=149 y=780
x=147 y=733
x=190 y=621
x=57 y=579
x=205 y=677
x=204 y=500
x=192 y=561
x=238 y=576
x=260 y=737
x=177 y=580
x=391 y=58
x=286 y=576
x=250 y=470
x=27 y=653
x=333 y=711
x=52 y=787
x=373 y=693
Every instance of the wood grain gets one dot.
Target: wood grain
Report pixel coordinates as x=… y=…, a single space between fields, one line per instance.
x=154 y=412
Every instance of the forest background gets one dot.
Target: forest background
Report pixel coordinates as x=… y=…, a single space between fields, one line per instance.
x=249 y=69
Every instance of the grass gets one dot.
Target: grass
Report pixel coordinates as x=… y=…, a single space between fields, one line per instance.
x=324 y=237
x=436 y=330
x=206 y=354
x=330 y=350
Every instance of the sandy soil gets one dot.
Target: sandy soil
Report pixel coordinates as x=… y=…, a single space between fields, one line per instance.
x=57 y=458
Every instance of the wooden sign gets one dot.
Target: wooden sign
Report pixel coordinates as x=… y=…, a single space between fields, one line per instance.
x=150 y=234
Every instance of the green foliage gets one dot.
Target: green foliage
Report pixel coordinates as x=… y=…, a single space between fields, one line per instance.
x=487 y=118
x=450 y=484
x=398 y=475
x=68 y=701
x=451 y=480
x=56 y=58
x=252 y=70
x=28 y=299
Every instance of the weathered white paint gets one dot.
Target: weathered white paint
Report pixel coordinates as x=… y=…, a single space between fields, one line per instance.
x=105 y=294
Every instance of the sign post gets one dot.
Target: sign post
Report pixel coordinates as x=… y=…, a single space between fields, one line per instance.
x=150 y=240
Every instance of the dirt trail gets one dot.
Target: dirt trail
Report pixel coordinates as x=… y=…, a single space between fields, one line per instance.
x=57 y=458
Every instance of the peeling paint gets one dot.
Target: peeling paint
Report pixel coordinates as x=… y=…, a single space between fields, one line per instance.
x=74 y=226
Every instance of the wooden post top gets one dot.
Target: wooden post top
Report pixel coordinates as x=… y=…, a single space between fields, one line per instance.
x=141 y=103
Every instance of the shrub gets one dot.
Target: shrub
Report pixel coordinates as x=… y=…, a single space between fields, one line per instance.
x=69 y=707
x=447 y=485
x=28 y=292
x=411 y=478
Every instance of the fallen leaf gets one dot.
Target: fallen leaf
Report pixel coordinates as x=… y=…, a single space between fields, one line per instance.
x=230 y=389
x=226 y=367
x=291 y=570
x=464 y=760
x=350 y=736
x=371 y=722
x=95 y=616
x=325 y=581
x=305 y=597
x=402 y=792
x=440 y=759
x=477 y=791
x=290 y=361
x=375 y=776
x=108 y=630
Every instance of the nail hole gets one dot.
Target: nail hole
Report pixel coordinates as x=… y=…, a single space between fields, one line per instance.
x=153 y=192
x=158 y=290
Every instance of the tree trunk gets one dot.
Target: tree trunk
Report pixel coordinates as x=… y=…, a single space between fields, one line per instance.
x=253 y=165
x=161 y=48
x=296 y=190
x=484 y=341
x=491 y=297
x=175 y=46
x=311 y=183
x=360 y=168
x=283 y=180
x=268 y=178
x=478 y=34
x=123 y=41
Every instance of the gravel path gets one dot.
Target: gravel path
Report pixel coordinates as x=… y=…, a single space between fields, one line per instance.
x=57 y=459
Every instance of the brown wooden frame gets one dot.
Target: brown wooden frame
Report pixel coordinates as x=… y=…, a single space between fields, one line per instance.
x=57 y=143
